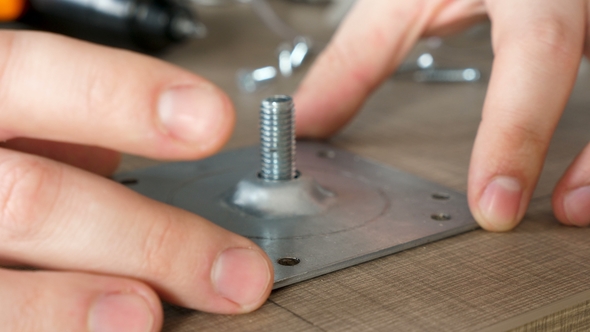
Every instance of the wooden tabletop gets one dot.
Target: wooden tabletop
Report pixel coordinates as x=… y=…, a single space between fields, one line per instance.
x=535 y=277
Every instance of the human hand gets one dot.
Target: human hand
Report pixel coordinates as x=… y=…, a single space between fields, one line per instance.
x=537 y=45
x=106 y=252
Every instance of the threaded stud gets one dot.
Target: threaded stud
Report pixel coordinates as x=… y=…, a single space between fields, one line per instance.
x=277 y=139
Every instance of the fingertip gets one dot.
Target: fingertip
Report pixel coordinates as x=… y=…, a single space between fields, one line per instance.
x=571 y=196
x=573 y=207
x=74 y=301
x=243 y=276
x=121 y=312
x=122 y=305
x=498 y=207
x=199 y=115
x=318 y=115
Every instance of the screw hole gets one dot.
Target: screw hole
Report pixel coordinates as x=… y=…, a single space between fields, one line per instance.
x=288 y=261
x=129 y=182
x=441 y=196
x=327 y=154
x=440 y=216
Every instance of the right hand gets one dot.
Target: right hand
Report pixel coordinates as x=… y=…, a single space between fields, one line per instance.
x=537 y=44
x=105 y=252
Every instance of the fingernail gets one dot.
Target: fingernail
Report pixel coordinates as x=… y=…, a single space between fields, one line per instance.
x=191 y=114
x=241 y=276
x=500 y=202
x=577 y=206
x=120 y=312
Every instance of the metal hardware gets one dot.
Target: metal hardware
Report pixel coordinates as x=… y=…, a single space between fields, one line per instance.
x=424 y=61
x=252 y=80
x=289 y=59
x=284 y=55
x=447 y=75
x=279 y=190
x=277 y=139
x=301 y=48
x=424 y=70
x=291 y=54
x=341 y=210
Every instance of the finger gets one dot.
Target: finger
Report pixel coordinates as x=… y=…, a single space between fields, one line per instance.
x=367 y=47
x=59 y=301
x=571 y=197
x=60 y=89
x=91 y=158
x=456 y=16
x=538 y=46
x=58 y=217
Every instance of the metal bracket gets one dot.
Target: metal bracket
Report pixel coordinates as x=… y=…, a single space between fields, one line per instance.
x=359 y=210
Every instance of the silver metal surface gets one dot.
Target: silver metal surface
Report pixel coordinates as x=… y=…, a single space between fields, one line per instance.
x=368 y=210
x=282 y=199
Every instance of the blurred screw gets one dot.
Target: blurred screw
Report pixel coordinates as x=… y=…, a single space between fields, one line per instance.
x=300 y=51
x=447 y=75
x=183 y=26
x=425 y=61
x=252 y=80
x=285 y=65
x=434 y=42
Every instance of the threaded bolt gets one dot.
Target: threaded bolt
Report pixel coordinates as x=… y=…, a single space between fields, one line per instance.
x=277 y=139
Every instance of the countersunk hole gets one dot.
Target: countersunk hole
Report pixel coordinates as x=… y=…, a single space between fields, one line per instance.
x=288 y=261
x=441 y=216
x=441 y=196
x=327 y=154
x=129 y=182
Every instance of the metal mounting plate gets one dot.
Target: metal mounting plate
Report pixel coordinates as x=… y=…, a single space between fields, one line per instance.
x=379 y=210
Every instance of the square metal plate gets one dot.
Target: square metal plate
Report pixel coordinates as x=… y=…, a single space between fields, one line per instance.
x=378 y=211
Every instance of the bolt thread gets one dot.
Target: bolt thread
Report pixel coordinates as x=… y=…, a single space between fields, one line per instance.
x=277 y=139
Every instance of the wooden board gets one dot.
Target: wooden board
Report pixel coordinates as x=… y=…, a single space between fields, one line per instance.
x=534 y=277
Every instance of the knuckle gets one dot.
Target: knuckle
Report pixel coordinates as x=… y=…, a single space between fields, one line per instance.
x=521 y=144
x=99 y=92
x=534 y=144
x=8 y=42
x=28 y=191
x=340 y=56
x=554 y=37
x=28 y=307
x=157 y=249
x=22 y=303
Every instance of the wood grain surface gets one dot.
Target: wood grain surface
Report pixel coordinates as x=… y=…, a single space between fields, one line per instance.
x=535 y=277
